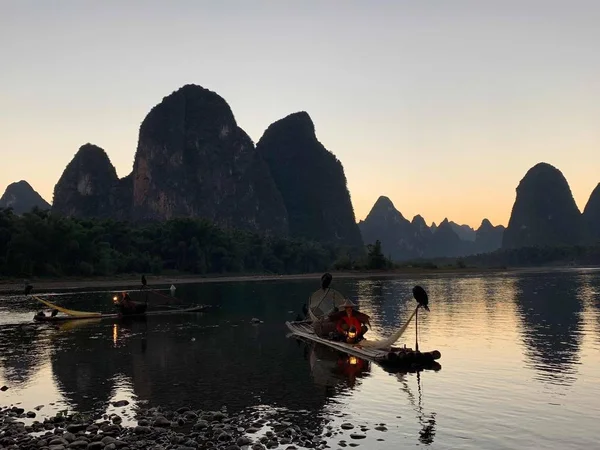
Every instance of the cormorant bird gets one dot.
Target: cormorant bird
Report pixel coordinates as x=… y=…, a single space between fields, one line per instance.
x=28 y=289
x=144 y=282
x=326 y=280
x=54 y=313
x=421 y=297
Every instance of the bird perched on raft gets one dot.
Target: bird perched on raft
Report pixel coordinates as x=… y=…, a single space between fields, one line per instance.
x=421 y=297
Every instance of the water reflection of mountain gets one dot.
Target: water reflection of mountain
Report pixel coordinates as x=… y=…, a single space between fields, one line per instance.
x=589 y=294
x=21 y=352
x=84 y=364
x=202 y=361
x=550 y=311
x=595 y=292
x=176 y=363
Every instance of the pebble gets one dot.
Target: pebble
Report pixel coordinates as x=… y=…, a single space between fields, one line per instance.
x=70 y=437
x=357 y=436
x=120 y=403
x=74 y=428
x=108 y=440
x=161 y=421
x=182 y=429
x=243 y=440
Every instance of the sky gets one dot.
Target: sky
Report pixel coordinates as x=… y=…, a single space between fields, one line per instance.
x=442 y=106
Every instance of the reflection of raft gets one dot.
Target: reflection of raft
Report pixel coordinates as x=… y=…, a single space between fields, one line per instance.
x=117 y=315
x=393 y=356
x=330 y=367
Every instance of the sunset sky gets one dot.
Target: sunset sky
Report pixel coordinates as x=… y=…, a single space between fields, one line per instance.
x=440 y=105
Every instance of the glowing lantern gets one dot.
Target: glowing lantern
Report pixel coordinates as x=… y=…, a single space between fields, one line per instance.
x=351 y=335
x=352 y=360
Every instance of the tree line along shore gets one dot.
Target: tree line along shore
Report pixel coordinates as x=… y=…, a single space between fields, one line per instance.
x=57 y=250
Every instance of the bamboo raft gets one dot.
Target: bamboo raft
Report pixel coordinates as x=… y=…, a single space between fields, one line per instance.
x=395 y=357
x=326 y=305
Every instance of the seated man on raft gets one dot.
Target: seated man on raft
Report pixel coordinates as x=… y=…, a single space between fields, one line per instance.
x=127 y=306
x=350 y=324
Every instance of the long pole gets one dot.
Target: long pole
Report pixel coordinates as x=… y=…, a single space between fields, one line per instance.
x=417 y=330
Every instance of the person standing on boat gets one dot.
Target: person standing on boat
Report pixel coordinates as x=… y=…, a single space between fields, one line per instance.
x=321 y=304
x=326 y=300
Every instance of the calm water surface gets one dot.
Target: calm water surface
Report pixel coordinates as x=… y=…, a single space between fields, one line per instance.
x=520 y=360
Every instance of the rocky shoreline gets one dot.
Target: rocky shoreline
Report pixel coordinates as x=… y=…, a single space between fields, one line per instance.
x=159 y=429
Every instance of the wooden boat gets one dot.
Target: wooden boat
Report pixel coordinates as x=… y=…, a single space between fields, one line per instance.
x=64 y=318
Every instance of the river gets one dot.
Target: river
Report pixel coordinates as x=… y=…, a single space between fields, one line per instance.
x=520 y=359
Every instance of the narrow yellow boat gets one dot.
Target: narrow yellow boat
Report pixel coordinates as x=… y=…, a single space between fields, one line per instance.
x=137 y=309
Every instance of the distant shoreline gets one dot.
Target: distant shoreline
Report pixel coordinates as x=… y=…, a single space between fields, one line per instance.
x=132 y=281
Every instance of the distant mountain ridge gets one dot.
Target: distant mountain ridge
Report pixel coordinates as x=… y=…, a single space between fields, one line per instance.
x=465 y=232
x=403 y=240
x=544 y=212
x=311 y=181
x=22 y=198
x=398 y=236
x=89 y=186
x=591 y=216
x=193 y=160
